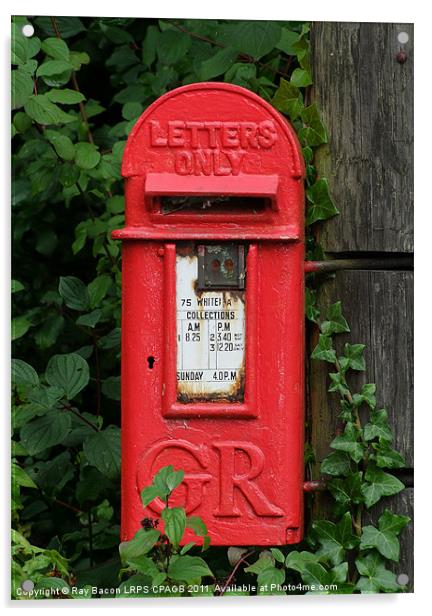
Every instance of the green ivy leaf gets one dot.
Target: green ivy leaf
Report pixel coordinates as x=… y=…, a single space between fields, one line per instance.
x=385 y=542
x=287 y=40
x=367 y=395
x=386 y=457
x=74 y=292
x=321 y=206
x=102 y=450
x=288 y=99
x=43 y=111
x=314 y=132
x=347 y=490
x=324 y=350
x=348 y=442
x=46 y=431
x=188 y=569
x=269 y=579
x=354 y=354
x=338 y=384
x=374 y=576
x=263 y=562
x=379 y=484
x=70 y=373
x=390 y=522
x=86 y=155
x=336 y=322
x=301 y=79
x=336 y=463
x=335 y=538
x=175 y=523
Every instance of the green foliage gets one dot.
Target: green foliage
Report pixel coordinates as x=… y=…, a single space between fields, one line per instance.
x=158 y=555
x=69 y=133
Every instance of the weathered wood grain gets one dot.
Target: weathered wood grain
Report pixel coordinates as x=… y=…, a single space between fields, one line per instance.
x=366 y=99
x=379 y=309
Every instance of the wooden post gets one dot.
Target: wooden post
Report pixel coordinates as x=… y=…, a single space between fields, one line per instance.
x=366 y=99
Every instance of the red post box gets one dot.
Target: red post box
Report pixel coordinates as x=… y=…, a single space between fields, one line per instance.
x=213 y=313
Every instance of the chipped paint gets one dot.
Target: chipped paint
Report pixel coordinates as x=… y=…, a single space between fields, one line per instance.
x=210 y=337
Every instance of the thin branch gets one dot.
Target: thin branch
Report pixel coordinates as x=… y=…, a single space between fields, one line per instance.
x=70 y=408
x=233 y=572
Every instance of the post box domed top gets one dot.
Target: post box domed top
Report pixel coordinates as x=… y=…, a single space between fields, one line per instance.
x=207 y=129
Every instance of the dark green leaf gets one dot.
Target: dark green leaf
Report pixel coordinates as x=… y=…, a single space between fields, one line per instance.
x=56 y=48
x=43 y=111
x=20 y=326
x=188 y=569
x=288 y=99
x=390 y=522
x=379 y=484
x=301 y=79
x=354 y=354
x=348 y=442
x=386 y=457
x=255 y=38
x=91 y=319
x=366 y=395
x=172 y=46
x=336 y=322
x=277 y=555
x=74 y=292
x=65 y=96
x=62 y=145
x=175 y=523
x=386 y=542
x=19 y=477
x=314 y=132
x=321 y=206
x=336 y=463
x=150 y=45
x=375 y=577
x=269 y=579
x=102 y=450
x=22 y=373
x=69 y=372
x=46 y=431
x=217 y=64
x=68 y=26
x=22 y=88
x=111 y=388
x=86 y=155
x=51 y=68
x=142 y=542
x=324 y=350
x=287 y=40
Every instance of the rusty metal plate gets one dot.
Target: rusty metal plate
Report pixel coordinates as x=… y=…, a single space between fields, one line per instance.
x=210 y=337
